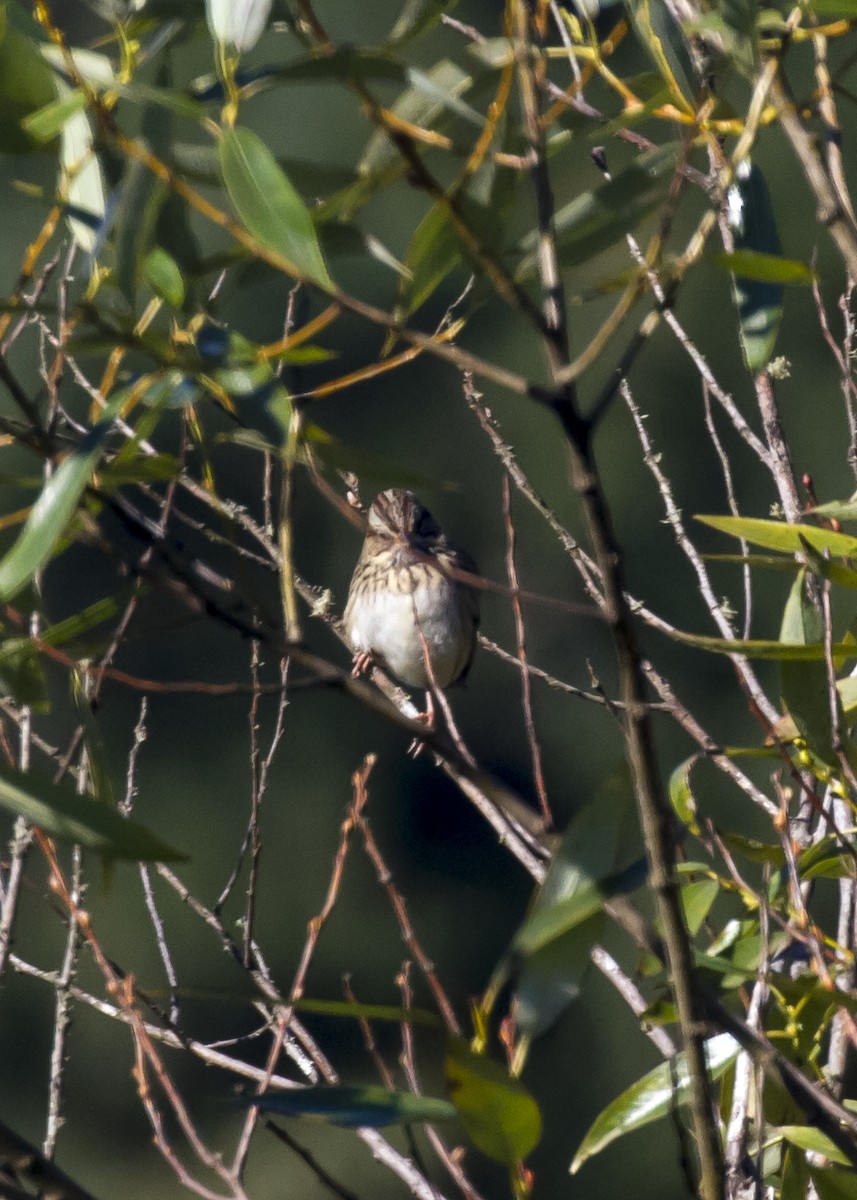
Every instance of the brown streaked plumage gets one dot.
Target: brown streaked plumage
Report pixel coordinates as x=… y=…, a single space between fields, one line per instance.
x=404 y=584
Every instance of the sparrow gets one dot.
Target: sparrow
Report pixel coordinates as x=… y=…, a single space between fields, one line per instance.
x=407 y=600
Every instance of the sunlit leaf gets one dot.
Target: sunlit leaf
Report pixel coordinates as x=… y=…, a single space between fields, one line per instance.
x=652 y=1097
x=268 y=205
x=499 y=1115
x=834 y=1184
x=61 y=812
x=779 y=535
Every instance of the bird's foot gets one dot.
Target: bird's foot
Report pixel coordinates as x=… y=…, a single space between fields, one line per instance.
x=362 y=663
x=428 y=719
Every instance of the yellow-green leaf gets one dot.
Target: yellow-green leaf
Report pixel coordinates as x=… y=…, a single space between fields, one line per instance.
x=269 y=206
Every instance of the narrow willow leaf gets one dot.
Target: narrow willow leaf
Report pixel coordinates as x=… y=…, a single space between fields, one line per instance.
x=268 y=205
x=21 y=674
x=759 y=648
x=597 y=219
x=549 y=978
x=355 y=1107
x=759 y=304
x=61 y=812
x=765 y=268
x=804 y=684
x=500 y=1116
x=652 y=1097
x=807 y=1137
x=431 y=93
x=841 y=510
x=778 y=535
x=55 y=507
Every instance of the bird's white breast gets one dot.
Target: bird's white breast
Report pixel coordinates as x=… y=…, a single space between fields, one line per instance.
x=383 y=624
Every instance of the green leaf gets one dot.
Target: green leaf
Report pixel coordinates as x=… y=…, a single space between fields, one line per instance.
x=765 y=268
x=46 y=124
x=833 y=8
x=268 y=205
x=760 y=648
x=759 y=304
x=597 y=219
x=652 y=1097
x=697 y=899
x=22 y=675
x=834 y=1184
x=26 y=87
x=434 y=251
x=549 y=978
x=354 y=1107
x=804 y=684
x=164 y=277
x=61 y=812
x=55 y=507
x=842 y=510
x=778 y=535
x=422 y=104
x=807 y=1137
x=681 y=793
x=500 y=1116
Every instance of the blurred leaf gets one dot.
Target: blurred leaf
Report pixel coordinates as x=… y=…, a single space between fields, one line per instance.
x=597 y=219
x=22 y=675
x=666 y=45
x=759 y=648
x=834 y=1184
x=268 y=205
x=652 y=1097
x=833 y=8
x=167 y=98
x=779 y=535
x=354 y=1107
x=806 y=1137
x=841 y=510
x=55 y=506
x=760 y=852
x=415 y=17
x=549 y=977
x=26 y=87
x=804 y=684
x=500 y=1116
x=433 y=252
x=58 y=810
x=827 y=859
x=164 y=277
x=765 y=268
x=80 y=178
x=46 y=123
x=697 y=899
x=759 y=304
x=555 y=919
x=430 y=93
x=795 y=1176
x=94 y=614
x=139 y=199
